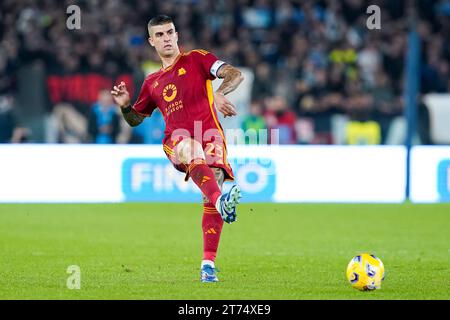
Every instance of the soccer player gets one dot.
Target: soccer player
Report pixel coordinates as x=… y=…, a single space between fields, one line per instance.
x=194 y=141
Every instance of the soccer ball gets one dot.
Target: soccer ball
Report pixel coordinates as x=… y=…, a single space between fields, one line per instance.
x=365 y=272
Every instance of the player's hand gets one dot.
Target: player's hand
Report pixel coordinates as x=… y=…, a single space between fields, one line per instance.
x=121 y=95
x=224 y=105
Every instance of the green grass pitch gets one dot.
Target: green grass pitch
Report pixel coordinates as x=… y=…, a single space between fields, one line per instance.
x=273 y=251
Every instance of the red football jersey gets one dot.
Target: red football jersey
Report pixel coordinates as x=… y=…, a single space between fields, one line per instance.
x=184 y=94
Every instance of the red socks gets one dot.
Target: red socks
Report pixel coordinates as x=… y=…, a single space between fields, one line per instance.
x=212 y=222
x=212 y=227
x=203 y=177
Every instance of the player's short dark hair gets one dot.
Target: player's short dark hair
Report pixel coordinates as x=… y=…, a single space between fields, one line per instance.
x=159 y=20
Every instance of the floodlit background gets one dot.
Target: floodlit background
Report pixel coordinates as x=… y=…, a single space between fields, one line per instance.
x=360 y=163
x=319 y=74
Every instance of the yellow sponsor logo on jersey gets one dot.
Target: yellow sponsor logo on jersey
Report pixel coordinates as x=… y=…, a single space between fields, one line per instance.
x=181 y=71
x=169 y=92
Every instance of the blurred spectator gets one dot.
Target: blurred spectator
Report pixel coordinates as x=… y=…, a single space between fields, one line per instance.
x=363 y=133
x=386 y=107
x=258 y=16
x=70 y=126
x=361 y=129
x=280 y=118
x=423 y=125
x=151 y=130
x=316 y=104
x=435 y=73
x=369 y=62
x=394 y=60
x=263 y=84
x=10 y=132
x=359 y=103
x=254 y=122
x=343 y=53
x=7 y=71
x=104 y=121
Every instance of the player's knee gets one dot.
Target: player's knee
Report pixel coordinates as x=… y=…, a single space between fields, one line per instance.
x=219 y=175
x=189 y=149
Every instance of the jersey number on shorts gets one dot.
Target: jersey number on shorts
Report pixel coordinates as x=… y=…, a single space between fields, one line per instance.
x=215 y=151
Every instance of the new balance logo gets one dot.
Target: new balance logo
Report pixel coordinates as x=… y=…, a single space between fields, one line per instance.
x=211 y=231
x=181 y=71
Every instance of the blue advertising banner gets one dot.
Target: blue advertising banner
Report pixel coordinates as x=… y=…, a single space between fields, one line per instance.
x=155 y=179
x=443 y=180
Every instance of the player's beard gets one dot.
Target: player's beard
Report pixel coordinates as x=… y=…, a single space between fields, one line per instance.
x=169 y=53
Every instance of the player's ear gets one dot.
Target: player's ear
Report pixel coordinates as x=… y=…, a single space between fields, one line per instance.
x=150 y=40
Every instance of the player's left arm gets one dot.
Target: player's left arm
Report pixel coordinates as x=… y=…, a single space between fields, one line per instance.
x=232 y=77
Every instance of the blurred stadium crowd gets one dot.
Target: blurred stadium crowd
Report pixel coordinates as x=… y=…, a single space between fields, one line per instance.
x=321 y=76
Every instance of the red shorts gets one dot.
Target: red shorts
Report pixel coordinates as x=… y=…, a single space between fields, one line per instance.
x=215 y=156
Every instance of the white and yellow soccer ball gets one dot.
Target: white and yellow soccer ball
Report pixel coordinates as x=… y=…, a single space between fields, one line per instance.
x=365 y=272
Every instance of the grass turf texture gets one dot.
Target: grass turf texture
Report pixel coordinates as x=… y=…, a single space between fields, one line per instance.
x=273 y=251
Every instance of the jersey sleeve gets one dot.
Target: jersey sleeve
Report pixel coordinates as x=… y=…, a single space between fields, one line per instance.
x=209 y=63
x=144 y=104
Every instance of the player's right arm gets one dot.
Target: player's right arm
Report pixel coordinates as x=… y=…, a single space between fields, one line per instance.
x=122 y=98
x=133 y=115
